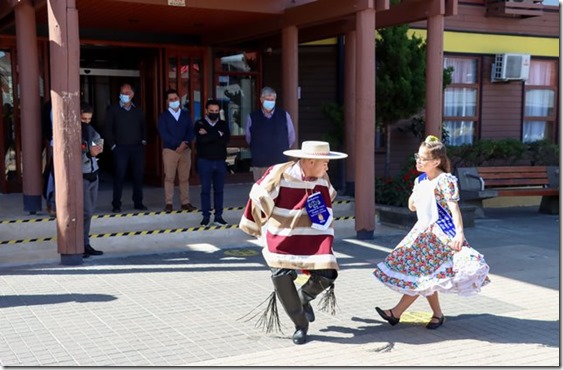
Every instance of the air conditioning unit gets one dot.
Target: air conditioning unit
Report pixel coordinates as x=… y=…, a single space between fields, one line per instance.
x=510 y=67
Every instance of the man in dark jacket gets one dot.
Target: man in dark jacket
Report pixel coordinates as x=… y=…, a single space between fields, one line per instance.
x=212 y=137
x=92 y=146
x=126 y=135
x=177 y=133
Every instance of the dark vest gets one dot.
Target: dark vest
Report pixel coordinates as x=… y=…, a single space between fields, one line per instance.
x=268 y=138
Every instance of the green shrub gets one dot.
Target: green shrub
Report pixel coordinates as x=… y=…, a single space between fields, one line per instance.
x=395 y=191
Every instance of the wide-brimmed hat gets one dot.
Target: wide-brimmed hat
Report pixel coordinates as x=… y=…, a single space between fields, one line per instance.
x=315 y=150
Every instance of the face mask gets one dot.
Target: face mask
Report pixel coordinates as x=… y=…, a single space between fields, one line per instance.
x=174 y=104
x=269 y=104
x=213 y=116
x=124 y=98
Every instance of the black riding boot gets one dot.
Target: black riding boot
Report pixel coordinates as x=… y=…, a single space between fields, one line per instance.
x=287 y=294
x=310 y=290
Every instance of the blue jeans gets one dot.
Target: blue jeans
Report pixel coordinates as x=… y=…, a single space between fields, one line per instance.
x=211 y=172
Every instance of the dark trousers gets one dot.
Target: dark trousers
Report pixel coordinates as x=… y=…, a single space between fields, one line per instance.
x=123 y=157
x=211 y=172
x=90 y=198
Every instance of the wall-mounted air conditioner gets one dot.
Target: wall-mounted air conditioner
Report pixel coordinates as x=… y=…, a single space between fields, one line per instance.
x=510 y=67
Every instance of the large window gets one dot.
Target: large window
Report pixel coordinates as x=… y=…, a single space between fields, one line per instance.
x=460 y=100
x=236 y=88
x=540 y=110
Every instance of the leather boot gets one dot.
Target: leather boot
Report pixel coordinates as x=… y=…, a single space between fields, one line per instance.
x=310 y=290
x=287 y=295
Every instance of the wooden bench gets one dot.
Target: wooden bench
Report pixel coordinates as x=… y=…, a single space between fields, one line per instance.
x=478 y=183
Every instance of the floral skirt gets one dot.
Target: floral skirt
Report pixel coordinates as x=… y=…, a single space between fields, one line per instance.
x=423 y=264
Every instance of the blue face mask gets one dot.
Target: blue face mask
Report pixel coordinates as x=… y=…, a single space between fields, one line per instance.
x=269 y=104
x=124 y=98
x=174 y=104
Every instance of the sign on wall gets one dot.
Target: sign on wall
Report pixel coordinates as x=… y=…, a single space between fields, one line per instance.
x=177 y=2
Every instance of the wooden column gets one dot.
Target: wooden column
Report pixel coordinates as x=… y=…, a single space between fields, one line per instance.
x=65 y=84
x=350 y=108
x=365 y=124
x=290 y=76
x=434 y=75
x=30 y=105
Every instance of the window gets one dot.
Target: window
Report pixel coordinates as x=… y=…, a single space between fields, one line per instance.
x=460 y=100
x=540 y=110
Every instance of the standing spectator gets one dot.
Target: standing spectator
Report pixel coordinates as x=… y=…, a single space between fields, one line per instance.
x=92 y=146
x=292 y=205
x=212 y=137
x=126 y=134
x=269 y=131
x=49 y=171
x=177 y=133
x=434 y=256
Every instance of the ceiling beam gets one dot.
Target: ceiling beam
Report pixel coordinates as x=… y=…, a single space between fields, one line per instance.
x=322 y=11
x=249 y=6
x=411 y=11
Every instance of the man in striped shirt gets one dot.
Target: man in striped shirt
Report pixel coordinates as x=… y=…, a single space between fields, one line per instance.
x=290 y=208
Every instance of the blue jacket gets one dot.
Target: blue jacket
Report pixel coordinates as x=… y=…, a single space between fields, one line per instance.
x=173 y=132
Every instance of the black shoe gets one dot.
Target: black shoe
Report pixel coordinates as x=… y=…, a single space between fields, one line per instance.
x=436 y=325
x=116 y=209
x=309 y=313
x=91 y=251
x=300 y=336
x=390 y=319
x=205 y=221
x=85 y=255
x=220 y=222
x=141 y=207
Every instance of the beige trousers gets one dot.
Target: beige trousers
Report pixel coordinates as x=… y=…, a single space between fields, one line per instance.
x=180 y=162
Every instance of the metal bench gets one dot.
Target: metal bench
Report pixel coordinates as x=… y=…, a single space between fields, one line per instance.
x=478 y=183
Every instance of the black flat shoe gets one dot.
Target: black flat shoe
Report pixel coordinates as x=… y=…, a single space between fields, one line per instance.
x=390 y=319
x=435 y=325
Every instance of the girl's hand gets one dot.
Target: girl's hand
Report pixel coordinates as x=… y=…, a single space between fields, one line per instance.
x=457 y=241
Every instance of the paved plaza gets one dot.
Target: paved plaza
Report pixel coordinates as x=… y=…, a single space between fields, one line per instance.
x=182 y=302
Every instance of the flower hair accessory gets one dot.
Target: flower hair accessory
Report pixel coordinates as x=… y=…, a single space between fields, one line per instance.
x=431 y=139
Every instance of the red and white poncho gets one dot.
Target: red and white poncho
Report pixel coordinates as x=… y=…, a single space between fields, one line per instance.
x=277 y=204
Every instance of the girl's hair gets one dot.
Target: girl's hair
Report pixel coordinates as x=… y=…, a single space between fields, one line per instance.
x=437 y=150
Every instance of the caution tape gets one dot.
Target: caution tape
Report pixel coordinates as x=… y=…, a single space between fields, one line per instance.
x=144 y=232
x=132 y=214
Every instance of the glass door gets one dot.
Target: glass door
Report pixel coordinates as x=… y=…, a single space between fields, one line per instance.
x=184 y=73
x=10 y=140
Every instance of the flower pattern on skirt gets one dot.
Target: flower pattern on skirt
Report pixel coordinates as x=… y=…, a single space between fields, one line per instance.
x=423 y=263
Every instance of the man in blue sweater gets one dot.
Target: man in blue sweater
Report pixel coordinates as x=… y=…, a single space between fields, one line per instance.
x=269 y=132
x=177 y=133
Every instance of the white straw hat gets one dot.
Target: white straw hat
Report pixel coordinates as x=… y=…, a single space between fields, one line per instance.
x=315 y=150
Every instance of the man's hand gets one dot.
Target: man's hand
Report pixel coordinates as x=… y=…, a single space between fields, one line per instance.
x=202 y=131
x=183 y=146
x=95 y=150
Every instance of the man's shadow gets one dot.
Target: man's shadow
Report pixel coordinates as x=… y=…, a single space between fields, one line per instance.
x=480 y=327
x=44 y=299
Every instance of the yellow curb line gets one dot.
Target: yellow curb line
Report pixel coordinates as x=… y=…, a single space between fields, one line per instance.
x=143 y=232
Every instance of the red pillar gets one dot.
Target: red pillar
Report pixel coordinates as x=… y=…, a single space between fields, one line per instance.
x=350 y=107
x=30 y=106
x=434 y=75
x=290 y=75
x=65 y=84
x=365 y=124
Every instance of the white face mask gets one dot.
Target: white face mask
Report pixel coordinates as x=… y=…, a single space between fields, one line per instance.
x=124 y=98
x=269 y=104
x=174 y=104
